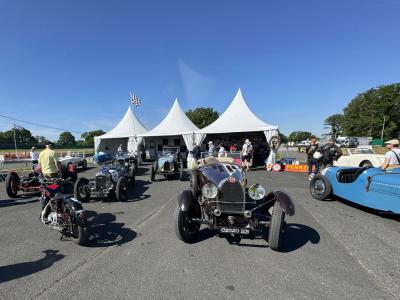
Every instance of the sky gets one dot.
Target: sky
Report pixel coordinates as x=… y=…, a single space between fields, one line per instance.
x=71 y=64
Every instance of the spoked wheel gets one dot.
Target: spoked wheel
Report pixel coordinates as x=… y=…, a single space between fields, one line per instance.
x=320 y=187
x=75 y=230
x=81 y=191
x=185 y=228
x=12 y=184
x=121 y=191
x=366 y=164
x=276 y=227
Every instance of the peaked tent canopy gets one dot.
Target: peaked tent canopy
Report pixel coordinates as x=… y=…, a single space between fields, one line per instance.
x=126 y=131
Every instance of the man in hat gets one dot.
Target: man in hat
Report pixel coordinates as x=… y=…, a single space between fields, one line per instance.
x=34 y=157
x=48 y=161
x=211 y=148
x=392 y=157
x=330 y=152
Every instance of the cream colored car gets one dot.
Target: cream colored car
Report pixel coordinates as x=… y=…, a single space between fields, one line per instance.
x=360 y=157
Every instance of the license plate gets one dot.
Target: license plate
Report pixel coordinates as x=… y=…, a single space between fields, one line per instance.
x=234 y=230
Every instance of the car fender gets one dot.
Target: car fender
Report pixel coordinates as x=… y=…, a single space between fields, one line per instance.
x=185 y=199
x=77 y=210
x=284 y=200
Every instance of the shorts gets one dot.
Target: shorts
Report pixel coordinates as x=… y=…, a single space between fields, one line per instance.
x=246 y=158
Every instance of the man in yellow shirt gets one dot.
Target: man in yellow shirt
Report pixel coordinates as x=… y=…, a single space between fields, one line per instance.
x=48 y=161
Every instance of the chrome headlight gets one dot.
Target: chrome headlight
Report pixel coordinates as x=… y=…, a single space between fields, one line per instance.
x=209 y=190
x=256 y=191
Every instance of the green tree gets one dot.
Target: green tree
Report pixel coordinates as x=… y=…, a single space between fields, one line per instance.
x=22 y=135
x=66 y=138
x=298 y=136
x=202 y=116
x=364 y=115
x=334 y=124
x=89 y=136
x=284 y=138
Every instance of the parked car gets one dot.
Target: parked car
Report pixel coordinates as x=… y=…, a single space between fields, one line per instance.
x=348 y=142
x=111 y=180
x=219 y=199
x=102 y=157
x=370 y=187
x=168 y=164
x=360 y=157
x=29 y=183
x=77 y=161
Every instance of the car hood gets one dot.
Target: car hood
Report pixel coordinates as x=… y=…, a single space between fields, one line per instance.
x=163 y=159
x=217 y=173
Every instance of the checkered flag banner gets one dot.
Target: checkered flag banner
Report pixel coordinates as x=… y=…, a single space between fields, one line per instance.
x=135 y=100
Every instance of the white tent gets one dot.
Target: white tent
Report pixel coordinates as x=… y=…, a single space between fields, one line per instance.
x=238 y=117
x=126 y=132
x=175 y=123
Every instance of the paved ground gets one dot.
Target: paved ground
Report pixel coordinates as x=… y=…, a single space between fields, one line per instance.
x=331 y=251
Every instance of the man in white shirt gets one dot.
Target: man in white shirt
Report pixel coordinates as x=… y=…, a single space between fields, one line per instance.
x=221 y=151
x=34 y=157
x=392 y=157
x=246 y=154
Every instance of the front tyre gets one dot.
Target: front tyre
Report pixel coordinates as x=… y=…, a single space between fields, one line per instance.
x=186 y=229
x=320 y=187
x=81 y=190
x=366 y=164
x=76 y=230
x=84 y=164
x=121 y=190
x=12 y=184
x=152 y=174
x=276 y=227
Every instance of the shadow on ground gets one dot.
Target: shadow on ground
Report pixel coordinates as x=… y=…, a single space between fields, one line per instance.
x=20 y=200
x=103 y=231
x=19 y=270
x=137 y=192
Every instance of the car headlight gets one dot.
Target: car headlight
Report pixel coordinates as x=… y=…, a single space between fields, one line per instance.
x=256 y=191
x=209 y=190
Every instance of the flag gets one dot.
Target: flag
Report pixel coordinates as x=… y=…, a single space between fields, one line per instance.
x=135 y=100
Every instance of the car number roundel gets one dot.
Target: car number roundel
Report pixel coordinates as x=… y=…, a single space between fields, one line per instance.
x=276 y=167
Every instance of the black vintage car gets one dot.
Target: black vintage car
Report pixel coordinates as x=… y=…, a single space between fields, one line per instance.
x=111 y=180
x=168 y=164
x=218 y=198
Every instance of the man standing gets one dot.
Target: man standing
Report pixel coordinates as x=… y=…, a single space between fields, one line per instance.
x=210 y=148
x=119 y=150
x=48 y=161
x=246 y=154
x=330 y=152
x=34 y=158
x=311 y=161
x=392 y=157
x=221 y=151
x=196 y=152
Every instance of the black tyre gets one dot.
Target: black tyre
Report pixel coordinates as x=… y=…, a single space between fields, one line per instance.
x=152 y=174
x=135 y=167
x=121 y=190
x=276 y=227
x=320 y=187
x=132 y=178
x=81 y=190
x=84 y=164
x=77 y=231
x=366 y=164
x=64 y=171
x=194 y=183
x=12 y=184
x=181 y=171
x=185 y=229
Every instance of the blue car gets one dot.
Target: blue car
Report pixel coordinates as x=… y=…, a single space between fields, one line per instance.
x=369 y=187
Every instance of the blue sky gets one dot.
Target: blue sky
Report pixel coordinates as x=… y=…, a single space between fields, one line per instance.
x=71 y=64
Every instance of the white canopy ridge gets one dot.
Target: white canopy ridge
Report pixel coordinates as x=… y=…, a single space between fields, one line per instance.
x=238 y=117
x=175 y=123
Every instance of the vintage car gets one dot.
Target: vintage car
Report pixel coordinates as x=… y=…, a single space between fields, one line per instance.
x=111 y=180
x=168 y=164
x=77 y=161
x=29 y=183
x=218 y=198
x=102 y=157
x=370 y=187
x=360 y=157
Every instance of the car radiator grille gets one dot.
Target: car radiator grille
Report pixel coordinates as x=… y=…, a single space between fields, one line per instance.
x=101 y=181
x=232 y=198
x=168 y=167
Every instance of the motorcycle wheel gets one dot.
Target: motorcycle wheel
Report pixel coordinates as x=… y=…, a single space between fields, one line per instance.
x=12 y=184
x=76 y=231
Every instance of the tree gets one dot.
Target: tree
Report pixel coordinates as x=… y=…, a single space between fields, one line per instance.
x=364 y=115
x=298 y=136
x=284 y=138
x=202 y=116
x=66 y=138
x=22 y=135
x=334 y=123
x=89 y=136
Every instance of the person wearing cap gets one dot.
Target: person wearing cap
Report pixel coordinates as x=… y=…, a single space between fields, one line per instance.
x=48 y=161
x=392 y=157
x=330 y=152
x=34 y=157
x=211 y=148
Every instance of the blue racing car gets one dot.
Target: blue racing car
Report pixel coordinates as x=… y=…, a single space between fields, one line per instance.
x=370 y=187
